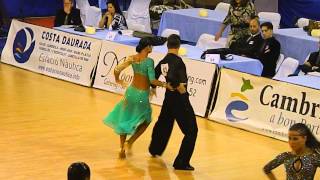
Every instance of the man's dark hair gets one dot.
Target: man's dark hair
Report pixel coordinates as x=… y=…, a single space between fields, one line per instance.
x=255 y=18
x=173 y=41
x=78 y=171
x=267 y=24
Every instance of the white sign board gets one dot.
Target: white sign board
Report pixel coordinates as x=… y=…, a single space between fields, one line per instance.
x=200 y=75
x=265 y=106
x=51 y=52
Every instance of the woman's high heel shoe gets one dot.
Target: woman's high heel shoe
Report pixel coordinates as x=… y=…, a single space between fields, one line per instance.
x=122 y=154
x=128 y=147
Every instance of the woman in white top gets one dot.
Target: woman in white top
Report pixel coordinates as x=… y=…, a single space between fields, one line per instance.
x=113 y=19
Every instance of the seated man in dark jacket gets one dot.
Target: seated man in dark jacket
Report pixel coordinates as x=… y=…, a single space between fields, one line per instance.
x=68 y=15
x=269 y=51
x=313 y=63
x=250 y=45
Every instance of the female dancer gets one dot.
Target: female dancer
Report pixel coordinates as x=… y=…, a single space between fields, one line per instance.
x=303 y=160
x=132 y=115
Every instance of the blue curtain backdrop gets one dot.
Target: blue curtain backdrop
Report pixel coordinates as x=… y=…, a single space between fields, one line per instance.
x=39 y=8
x=124 y=4
x=27 y=8
x=290 y=10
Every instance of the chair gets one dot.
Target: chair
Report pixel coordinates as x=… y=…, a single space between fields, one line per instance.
x=273 y=17
x=125 y=14
x=288 y=67
x=206 y=41
x=138 y=13
x=221 y=6
x=279 y=62
x=300 y=73
x=168 y=32
x=136 y=27
x=83 y=5
x=302 y=22
x=93 y=16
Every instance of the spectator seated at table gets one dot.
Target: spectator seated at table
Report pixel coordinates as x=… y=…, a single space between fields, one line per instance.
x=269 y=51
x=68 y=15
x=313 y=62
x=249 y=45
x=113 y=18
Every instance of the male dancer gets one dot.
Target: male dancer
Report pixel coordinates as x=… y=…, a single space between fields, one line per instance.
x=176 y=105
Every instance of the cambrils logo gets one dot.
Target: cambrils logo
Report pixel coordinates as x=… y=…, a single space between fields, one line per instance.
x=23 y=45
x=240 y=104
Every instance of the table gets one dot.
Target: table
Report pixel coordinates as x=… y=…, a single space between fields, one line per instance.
x=101 y=34
x=239 y=63
x=190 y=24
x=305 y=80
x=296 y=43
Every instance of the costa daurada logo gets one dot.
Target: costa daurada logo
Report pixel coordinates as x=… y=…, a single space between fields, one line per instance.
x=23 y=45
x=240 y=104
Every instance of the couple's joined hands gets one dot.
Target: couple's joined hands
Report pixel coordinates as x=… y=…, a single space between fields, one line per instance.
x=181 y=88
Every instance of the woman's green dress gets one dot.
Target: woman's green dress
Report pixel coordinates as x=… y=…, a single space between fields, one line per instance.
x=134 y=109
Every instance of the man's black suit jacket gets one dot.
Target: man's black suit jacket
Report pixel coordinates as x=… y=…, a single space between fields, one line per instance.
x=248 y=46
x=268 y=56
x=73 y=17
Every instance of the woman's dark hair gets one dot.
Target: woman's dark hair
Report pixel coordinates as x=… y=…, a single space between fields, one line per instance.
x=78 y=171
x=243 y=3
x=115 y=5
x=143 y=43
x=117 y=9
x=311 y=142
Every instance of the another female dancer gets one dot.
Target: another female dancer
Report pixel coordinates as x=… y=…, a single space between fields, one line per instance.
x=303 y=160
x=132 y=115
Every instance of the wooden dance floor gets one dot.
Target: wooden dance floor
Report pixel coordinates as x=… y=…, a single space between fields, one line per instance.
x=46 y=124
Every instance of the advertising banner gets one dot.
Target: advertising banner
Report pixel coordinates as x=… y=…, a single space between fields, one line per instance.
x=200 y=75
x=54 y=53
x=265 y=106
